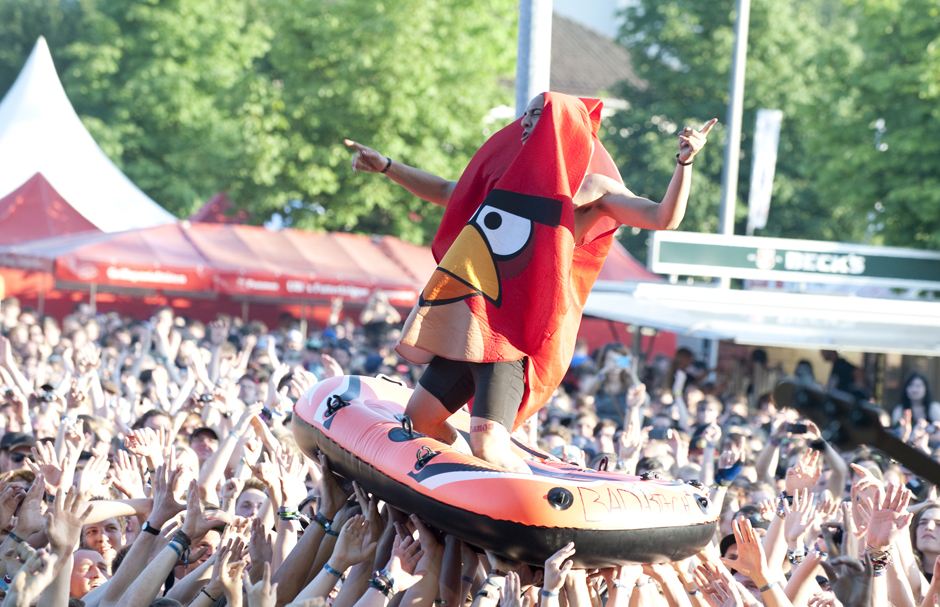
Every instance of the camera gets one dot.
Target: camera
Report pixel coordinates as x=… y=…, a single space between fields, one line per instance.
x=7 y=392
x=206 y=398
x=659 y=434
x=47 y=397
x=797 y=428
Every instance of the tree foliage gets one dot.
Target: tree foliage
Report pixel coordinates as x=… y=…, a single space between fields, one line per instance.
x=190 y=97
x=798 y=52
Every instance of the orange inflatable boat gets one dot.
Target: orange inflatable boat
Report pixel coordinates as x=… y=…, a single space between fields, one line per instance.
x=359 y=423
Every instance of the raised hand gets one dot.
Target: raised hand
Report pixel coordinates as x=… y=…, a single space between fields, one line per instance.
x=557 y=567
x=691 y=141
x=889 y=518
x=354 y=544
x=29 y=519
x=805 y=473
x=125 y=475
x=264 y=593
x=331 y=368
x=230 y=577
x=64 y=522
x=50 y=467
x=260 y=549
x=165 y=507
x=511 y=593
x=293 y=471
x=196 y=525
x=332 y=495
x=366 y=159
x=751 y=560
x=32 y=578
x=406 y=552
x=91 y=481
x=800 y=516
x=10 y=498
x=850 y=579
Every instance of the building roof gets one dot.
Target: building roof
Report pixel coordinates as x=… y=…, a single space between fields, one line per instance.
x=587 y=63
x=41 y=133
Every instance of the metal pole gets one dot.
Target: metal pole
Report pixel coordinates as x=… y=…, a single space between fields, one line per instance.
x=729 y=173
x=303 y=318
x=93 y=298
x=534 y=57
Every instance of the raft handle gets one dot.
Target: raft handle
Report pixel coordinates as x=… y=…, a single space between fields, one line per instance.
x=424 y=455
x=391 y=380
x=603 y=463
x=696 y=483
x=334 y=403
x=650 y=476
x=702 y=502
x=407 y=426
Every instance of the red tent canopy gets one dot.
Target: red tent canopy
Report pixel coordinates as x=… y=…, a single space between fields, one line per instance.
x=246 y=261
x=35 y=210
x=620 y=265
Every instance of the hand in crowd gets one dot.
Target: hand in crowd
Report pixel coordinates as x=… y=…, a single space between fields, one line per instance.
x=37 y=572
x=850 y=579
x=805 y=474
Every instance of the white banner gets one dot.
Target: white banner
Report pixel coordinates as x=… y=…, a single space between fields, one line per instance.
x=766 y=139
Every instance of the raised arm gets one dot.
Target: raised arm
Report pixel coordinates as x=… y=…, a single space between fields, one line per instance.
x=420 y=183
x=602 y=196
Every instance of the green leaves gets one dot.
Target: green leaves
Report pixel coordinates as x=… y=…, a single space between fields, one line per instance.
x=254 y=97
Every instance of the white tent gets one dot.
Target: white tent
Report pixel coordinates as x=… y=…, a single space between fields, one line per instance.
x=41 y=133
x=794 y=320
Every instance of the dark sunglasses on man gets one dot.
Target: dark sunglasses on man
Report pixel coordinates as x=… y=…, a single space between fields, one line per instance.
x=17 y=458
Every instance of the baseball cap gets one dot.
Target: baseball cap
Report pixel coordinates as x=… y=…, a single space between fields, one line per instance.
x=12 y=440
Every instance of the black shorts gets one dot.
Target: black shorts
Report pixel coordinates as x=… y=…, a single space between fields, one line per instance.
x=496 y=388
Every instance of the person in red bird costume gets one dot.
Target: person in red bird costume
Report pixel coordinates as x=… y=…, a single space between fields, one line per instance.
x=524 y=235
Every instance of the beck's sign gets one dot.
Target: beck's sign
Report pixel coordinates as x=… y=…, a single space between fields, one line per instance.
x=715 y=255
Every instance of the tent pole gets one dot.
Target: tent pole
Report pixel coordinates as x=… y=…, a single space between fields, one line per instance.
x=41 y=300
x=303 y=318
x=93 y=298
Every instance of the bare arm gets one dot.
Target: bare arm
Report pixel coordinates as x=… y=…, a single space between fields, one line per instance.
x=422 y=184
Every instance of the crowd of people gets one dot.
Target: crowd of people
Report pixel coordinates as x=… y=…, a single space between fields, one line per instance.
x=152 y=463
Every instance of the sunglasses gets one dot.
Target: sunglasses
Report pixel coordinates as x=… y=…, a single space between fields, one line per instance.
x=17 y=458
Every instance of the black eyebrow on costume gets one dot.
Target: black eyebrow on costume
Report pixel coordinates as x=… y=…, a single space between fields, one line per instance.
x=539 y=209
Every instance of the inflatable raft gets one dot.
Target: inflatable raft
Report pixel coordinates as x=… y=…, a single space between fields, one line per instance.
x=359 y=423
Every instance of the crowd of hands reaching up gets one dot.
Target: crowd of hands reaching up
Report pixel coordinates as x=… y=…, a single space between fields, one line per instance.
x=383 y=556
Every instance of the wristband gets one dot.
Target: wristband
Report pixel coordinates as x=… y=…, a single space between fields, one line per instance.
x=796 y=556
x=467 y=578
x=695 y=592
x=15 y=538
x=764 y=589
x=233 y=435
x=641 y=582
x=331 y=571
x=208 y=595
x=177 y=549
x=726 y=476
x=321 y=520
x=332 y=533
x=387 y=166
x=48 y=498
x=685 y=164
x=183 y=539
x=495 y=571
x=442 y=602
x=548 y=594
x=491 y=583
x=619 y=584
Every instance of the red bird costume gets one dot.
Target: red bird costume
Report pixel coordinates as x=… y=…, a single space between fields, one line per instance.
x=511 y=282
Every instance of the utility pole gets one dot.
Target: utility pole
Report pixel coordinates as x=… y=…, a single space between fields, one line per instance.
x=534 y=58
x=729 y=171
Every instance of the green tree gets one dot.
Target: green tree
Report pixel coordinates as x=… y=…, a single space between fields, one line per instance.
x=683 y=49
x=414 y=79
x=162 y=86
x=886 y=125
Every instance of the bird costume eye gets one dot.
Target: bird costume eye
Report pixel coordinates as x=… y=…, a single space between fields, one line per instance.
x=505 y=232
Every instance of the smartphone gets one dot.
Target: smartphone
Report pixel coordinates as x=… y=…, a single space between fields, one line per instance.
x=797 y=428
x=659 y=434
x=625 y=361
